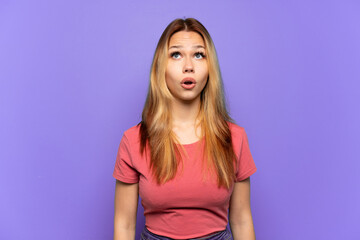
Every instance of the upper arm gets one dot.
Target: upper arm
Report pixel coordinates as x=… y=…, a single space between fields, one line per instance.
x=126 y=204
x=239 y=208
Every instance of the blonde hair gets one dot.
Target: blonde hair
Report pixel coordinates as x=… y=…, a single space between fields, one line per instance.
x=156 y=128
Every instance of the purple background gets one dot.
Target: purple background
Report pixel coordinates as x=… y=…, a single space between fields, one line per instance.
x=74 y=76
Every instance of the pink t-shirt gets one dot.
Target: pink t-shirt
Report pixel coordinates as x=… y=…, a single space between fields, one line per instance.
x=185 y=207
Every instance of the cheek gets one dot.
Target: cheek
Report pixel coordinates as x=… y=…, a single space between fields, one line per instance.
x=204 y=74
x=204 y=77
x=167 y=75
x=203 y=69
x=170 y=77
x=170 y=73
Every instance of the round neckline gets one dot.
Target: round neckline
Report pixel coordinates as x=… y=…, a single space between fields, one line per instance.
x=190 y=144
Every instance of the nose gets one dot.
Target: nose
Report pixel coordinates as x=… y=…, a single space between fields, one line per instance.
x=188 y=66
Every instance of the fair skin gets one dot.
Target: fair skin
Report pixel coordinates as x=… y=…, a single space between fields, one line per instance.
x=125 y=209
x=240 y=217
x=187 y=58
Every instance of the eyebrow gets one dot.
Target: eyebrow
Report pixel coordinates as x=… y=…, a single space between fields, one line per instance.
x=179 y=46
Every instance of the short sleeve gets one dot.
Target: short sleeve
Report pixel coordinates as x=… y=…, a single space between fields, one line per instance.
x=246 y=164
x=124 y=170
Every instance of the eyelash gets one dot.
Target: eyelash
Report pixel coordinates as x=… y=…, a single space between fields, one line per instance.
x=201 y=53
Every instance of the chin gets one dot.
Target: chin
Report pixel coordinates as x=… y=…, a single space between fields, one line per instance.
x=188 y=99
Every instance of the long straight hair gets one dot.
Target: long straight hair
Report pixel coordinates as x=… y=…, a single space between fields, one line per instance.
x=156 y=125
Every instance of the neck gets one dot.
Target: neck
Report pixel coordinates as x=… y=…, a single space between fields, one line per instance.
x=184 y=113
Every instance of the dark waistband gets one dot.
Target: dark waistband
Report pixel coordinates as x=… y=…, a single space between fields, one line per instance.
x=209 y=237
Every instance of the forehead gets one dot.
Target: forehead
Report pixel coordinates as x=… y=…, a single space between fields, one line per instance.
x=186 y=39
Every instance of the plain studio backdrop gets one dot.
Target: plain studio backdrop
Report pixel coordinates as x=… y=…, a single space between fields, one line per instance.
x=74 y=77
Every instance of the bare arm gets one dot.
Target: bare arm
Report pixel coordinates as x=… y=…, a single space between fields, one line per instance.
x=126 y=203
x=240 y=218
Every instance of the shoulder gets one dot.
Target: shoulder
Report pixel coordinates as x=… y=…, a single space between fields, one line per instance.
x=236 y=130
x=132 y=134
x=238 y=135
x=134 y=130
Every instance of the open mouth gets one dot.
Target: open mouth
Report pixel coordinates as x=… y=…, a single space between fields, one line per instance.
x=188 y=82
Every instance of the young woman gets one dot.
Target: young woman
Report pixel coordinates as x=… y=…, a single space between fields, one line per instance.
x=187 y=159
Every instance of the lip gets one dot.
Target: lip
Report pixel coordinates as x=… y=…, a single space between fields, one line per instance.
x=188 y=86
x=188 y=79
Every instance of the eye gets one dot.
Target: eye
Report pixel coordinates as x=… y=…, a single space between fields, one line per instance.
x=198 y=55
x=201 y=54
x=174 y=54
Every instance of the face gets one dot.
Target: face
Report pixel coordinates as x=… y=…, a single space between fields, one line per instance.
x=187 y=69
